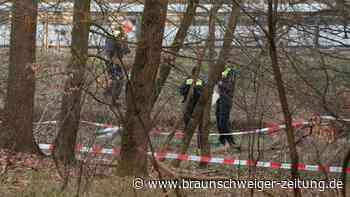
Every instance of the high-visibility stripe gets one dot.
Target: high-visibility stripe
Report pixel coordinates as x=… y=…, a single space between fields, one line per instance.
x=198 y=82
x=226 y=72
x=189 y=81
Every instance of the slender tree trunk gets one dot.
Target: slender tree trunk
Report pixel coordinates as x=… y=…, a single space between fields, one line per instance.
x=205 y=146
x=141 y=89
x=345 y=166
x=200 y=56
x=281 y=91
x=17 y=131
x=340 y=4
x=213 y=79
x=72 y=97
x=177 y=44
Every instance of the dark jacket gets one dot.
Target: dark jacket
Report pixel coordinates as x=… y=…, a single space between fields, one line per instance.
x=116 y=48
x=115 y=71
x=197 y=91
x=227 y=84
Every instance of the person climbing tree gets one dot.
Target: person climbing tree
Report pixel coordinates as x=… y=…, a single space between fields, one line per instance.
x=192 y=101
x=226 y=88
x=116 y=48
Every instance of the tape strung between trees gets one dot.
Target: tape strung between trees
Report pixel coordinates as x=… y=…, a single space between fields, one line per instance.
x=110 y=130
x=96 y=149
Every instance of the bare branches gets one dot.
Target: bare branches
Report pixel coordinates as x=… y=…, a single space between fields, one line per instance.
x=272 y=10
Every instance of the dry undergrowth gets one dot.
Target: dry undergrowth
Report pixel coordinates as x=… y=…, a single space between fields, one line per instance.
x=29 y=175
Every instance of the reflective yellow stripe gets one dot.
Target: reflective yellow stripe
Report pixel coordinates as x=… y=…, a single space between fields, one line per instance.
x=226 y=72
x=198 y=82
x=189 y=81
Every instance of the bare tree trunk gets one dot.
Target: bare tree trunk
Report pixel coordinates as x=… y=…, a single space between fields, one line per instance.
x=17 y=131
x=345 y=166
x=141 y=88
x=200 y=56
x=213 y=78
x=72 y=97
x=341 y=7
x=340 y=4
x=205 y=146
x=177 y=44
x=272 y=9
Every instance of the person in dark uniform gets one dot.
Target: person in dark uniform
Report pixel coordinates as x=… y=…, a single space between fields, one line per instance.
x=226 y=88
x=184 y=90
x=116 y=48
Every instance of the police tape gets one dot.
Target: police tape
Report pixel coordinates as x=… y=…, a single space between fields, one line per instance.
x=269 y=130
x=215 y=160
x=334 y=118
x=82 y=121
x=273 y=128
x=179 y=134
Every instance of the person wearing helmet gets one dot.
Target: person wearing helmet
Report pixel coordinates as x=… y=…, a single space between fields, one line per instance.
x=116 y=48
x=226 y=88
x=184 y=90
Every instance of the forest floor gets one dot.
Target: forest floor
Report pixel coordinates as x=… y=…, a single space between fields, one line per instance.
x=32 y=176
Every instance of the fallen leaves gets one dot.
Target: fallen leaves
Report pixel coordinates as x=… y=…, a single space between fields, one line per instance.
x=21 y=171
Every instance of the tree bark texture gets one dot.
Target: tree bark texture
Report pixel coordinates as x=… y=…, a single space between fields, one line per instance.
x=17 y=131
x=272 y=4
x=165 y=69
x=346 y=162
x=141 y=89
x=205 y=146
x=212 y=80
x=72 y=98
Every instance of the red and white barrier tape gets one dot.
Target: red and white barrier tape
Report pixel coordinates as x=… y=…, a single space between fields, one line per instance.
x=334 y=118
x=179 y=134
x=217 y=160
x=269 y=130
x=85 y=122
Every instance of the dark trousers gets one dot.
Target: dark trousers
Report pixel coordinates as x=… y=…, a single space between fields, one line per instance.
x=116 y=75
x=223 y=110
x=117 y=86
x=114 y=90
